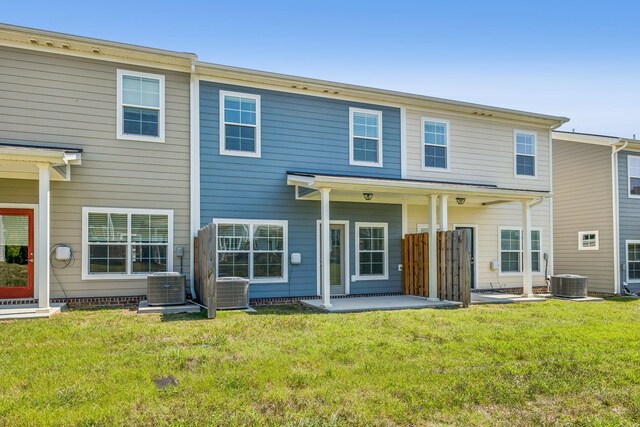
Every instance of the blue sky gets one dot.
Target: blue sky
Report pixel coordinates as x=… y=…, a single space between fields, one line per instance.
x=578 y=59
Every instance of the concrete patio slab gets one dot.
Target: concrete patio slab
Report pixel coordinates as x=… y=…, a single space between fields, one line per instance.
x=502 y=298
x=579 y=299
x=145 y=308
x=394 y=302
x=29 y=311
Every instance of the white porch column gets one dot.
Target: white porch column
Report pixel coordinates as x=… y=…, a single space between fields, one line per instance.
x=433 y=249
x=444 y=214
x=2 y=245
x=527 y=276
x=326 y=246
x=42 y=258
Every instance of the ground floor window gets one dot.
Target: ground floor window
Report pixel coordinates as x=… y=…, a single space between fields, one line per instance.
x=633 y=260
x=253 y=249
x=372 y=253
x=511 y=250
x=121 y=242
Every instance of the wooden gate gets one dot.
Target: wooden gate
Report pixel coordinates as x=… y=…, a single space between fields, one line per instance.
x=453 y=267
x=204 y=260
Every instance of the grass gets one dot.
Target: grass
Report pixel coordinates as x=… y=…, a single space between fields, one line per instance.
x=552 y=363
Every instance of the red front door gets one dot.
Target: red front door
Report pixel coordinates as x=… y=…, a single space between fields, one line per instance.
x=16 y=253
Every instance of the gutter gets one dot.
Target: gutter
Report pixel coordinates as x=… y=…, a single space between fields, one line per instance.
x=194 y=160
x=616 y=232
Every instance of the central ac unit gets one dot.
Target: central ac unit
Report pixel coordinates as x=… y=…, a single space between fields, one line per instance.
x=166 y=289
x=232 y=292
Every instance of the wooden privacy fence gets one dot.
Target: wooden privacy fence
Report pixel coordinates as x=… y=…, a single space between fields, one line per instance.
x=204 y=260
x=453 y=267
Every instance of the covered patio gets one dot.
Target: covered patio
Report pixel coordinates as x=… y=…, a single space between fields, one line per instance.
x=436 y=195
x=25 y=227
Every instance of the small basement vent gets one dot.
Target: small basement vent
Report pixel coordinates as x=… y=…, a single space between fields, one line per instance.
x=166 y=289
x=569 y=285
x=232 y=292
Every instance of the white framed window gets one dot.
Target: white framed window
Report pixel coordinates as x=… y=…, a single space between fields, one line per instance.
x=126 y=243
x=511 y=250
x=633 y=170
x=365 y=137
x=435 y=144
x=525 y=154
x=140 y=111
x=240 y=124
x=373 y=251
x=588 y=241
x=424 y=228
x=633 y=261
x=253 y=249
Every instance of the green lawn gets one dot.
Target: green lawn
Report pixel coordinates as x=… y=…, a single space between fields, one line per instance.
x=552 y=363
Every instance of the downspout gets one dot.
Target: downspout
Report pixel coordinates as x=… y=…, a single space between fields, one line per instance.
x=194 y=160
x=616 y=233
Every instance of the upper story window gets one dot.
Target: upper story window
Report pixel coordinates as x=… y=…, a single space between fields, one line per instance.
x=435 y=144
x=525 y=161
x=140 y=114
x=365 y=137
x=120 y=243
x=239 y=124
x=633 y=163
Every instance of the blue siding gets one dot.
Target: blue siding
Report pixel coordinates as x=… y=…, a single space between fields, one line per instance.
x=302 y=133
x=629 y=213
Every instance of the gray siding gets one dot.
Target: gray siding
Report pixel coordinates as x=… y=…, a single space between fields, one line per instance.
x=47 y=98
x=629 y=214
x=302 y=133
x=583 y=201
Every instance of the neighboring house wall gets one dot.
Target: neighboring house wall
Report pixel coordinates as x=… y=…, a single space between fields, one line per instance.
x=583 y=201
x=70 y=101
x=488 y=219
x=629 y=214
x=482 y=150
x=298 y=133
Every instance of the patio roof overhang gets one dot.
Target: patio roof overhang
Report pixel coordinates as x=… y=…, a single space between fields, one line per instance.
x=398 y=190
x=20 y=160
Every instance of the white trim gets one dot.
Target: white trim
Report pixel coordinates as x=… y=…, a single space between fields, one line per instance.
x=120 y=106
x=519 y=273
x=626 y=261
x=385 y=226
x=403 y=142
x=551 y=224
x=629 y=158
x=128 y=211
x=535 y=153
x=352 y=93
x=581 y=235
x=36 y=237
x=194 y=161
x=258 y=146
x=347 y=255
x=405 y=219
x=353 y=162
x=475 y=249
x=447 y=123
x=251 y=222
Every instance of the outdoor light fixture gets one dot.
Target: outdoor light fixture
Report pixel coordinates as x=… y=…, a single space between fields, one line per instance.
x=367 y=196
x=461 y=200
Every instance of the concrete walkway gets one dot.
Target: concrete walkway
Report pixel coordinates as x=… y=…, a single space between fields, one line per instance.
x=394 y=302
x=502 y=298
x=29 y=311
